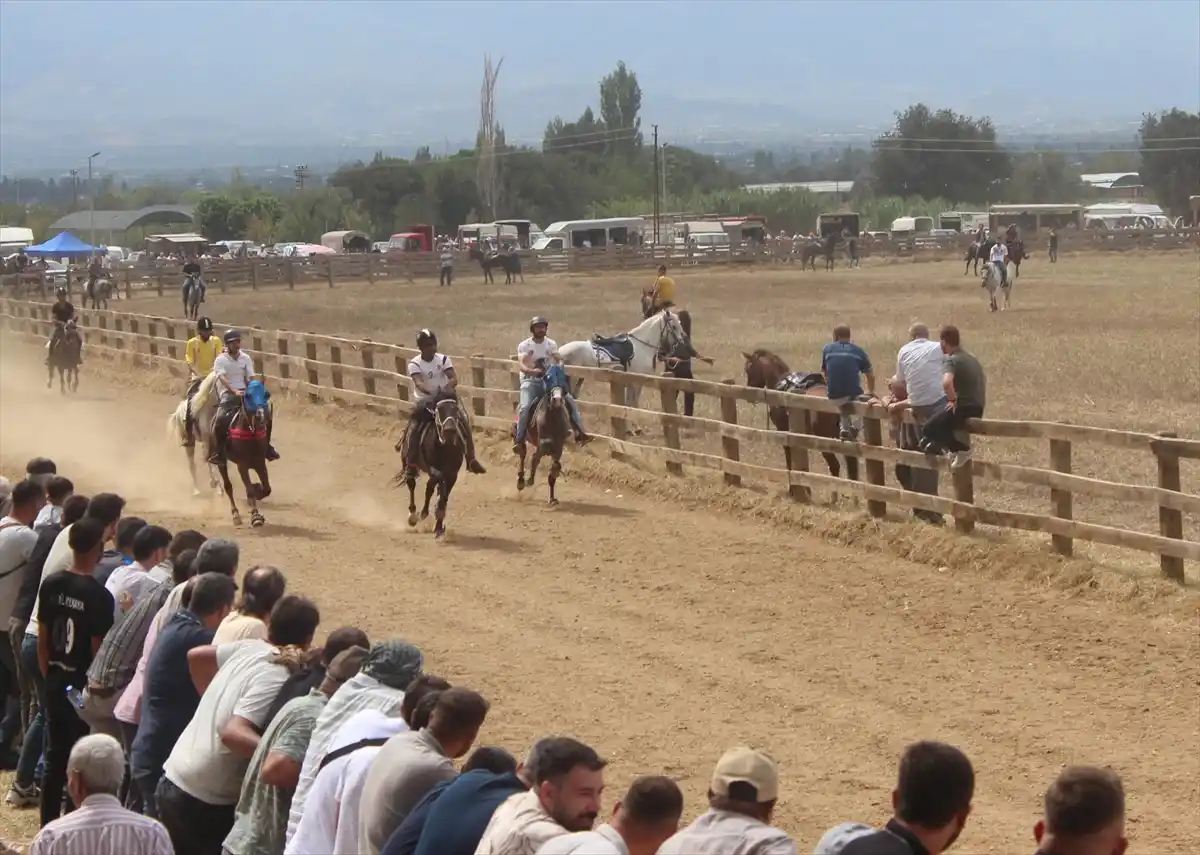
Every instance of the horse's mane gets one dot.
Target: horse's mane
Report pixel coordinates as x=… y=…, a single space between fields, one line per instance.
x=763 y=355
x=206 y=388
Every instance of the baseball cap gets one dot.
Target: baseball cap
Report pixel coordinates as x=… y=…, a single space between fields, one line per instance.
x=747 y=766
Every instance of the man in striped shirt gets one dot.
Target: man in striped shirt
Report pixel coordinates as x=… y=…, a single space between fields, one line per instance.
x=100 y=826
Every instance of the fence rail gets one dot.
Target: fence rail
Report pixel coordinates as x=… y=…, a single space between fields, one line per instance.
x=286 y=273
x=358 y=372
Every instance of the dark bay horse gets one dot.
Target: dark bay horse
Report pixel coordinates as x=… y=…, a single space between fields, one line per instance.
x=809 y=250
x=510 y=263
x=246 y=448
x=976 y=253
x=548 y=430
x=66 y=356
x=1016 y=254
x=443 y=450
x=829 y=249
x=765 y=370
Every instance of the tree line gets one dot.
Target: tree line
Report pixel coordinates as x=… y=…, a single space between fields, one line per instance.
x=601 y=164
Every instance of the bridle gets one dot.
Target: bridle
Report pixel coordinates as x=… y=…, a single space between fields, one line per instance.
x=664 y=347
x=454 y=419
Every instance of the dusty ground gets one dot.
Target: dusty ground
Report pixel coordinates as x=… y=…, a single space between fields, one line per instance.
x=663 y=629
x=1110 y=340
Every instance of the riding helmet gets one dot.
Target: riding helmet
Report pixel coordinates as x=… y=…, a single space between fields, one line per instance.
x=426 y=337
x=204 y=325
x=60 y=292
x=538 y=320
x=232 y=336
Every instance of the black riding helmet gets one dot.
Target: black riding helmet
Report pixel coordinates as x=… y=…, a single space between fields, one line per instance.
x=204 y=325
x=426 y=338
x=539 y=321
x=232 y=336
x=60 y=292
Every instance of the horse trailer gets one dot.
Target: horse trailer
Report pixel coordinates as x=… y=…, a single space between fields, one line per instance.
x=838 y=224
x=592 y=234
x=962 y=221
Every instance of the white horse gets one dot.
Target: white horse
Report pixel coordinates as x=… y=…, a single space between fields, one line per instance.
x=991 y=281
x=204 y=407
x=644 y=346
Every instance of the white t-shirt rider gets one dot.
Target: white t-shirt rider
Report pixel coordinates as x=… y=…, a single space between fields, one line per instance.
x=545 y=349
x=432 y=373
x=999 y=253
x=237 y=370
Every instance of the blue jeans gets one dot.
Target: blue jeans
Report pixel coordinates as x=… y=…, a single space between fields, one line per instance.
x=32 y=761
x=1001 y=268
x=532 y=388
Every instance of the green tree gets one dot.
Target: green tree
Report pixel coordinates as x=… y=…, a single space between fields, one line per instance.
x=940 y=153
x=620 y=103
x=584 y=134
x=1042 y=177
x=1171 y=157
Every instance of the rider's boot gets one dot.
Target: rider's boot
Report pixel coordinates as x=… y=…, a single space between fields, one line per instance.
x=522 y=429
x=216 y=450
x=271 y=453
x=582 y=437
x=473 y=464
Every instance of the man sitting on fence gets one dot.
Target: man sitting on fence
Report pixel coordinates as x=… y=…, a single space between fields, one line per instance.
x=966 y=391
x=534 y=354
x=235 y=370
x=433 y=378
x=202 y=352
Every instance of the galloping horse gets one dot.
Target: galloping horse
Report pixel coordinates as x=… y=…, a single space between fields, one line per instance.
x=98 y=293
x=637 y=351
x=765 y=370
x=510 y=263
x=1016 y=254
x=548 y=429
x=991 y=281
x=203 y=408
x=443 y=449
x=246 y=448
x=66 y=355
x=193 y=296
x=978 y=252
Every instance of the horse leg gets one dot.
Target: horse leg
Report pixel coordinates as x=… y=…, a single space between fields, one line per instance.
x=533 y=464
x=62 y=380
x=264 y=480
x=430 y=486
x=521 y=468
x=223 y=468
x=444 y=488
x=190 y=451
x=851 y=467
x=256 y=518
x=49 y=373
x=410 y=479
x=555 y=469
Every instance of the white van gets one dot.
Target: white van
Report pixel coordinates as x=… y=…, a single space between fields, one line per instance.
x=592 y=234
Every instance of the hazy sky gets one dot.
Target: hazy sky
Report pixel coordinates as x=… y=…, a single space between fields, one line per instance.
x=270 y=72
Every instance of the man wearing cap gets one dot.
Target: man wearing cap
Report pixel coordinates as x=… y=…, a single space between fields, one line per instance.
x=261 y=818
x=741 y=800
x=234 y=369
x=201 y=355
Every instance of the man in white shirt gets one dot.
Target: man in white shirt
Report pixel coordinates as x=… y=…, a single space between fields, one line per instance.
x=446 y=264
x=642 y=822
x=234 y=369
x=534 y=355
x=998 y=257
x=919 y=371
x=17 y=539
x=434 y=379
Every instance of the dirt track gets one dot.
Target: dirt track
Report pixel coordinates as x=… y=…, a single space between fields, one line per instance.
x=663 y=634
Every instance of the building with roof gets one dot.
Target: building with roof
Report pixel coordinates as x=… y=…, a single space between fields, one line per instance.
x=111 y=227
x=1115 y=185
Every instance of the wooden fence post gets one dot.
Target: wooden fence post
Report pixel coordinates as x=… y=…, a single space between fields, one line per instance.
x=158 y=276
x=964 y=491
x=670 y=407
x=1061 y=500
x=479 y=381
x=873 y=435
x=618 y=426
x=281 y=347
x=153 y=331
x=173 y=340
x=329 y=269
x=335 y=356
x=1170 y=521
x=310 y=353
x=253 y=275
x=730 y=447
x=402 y=388
x=799 y=421
x=368 y=361
x=291 y=275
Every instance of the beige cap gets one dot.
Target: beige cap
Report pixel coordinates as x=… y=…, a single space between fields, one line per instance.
x=747 y=766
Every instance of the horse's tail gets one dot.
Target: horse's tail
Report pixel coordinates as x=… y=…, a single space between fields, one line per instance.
x=175 y=425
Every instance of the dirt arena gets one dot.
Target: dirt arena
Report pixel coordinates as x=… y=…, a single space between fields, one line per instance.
x=663 y=624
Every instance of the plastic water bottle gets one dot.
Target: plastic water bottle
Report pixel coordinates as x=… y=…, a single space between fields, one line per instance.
x=75 y=697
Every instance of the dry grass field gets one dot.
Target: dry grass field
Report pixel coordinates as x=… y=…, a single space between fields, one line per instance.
x=1109 y=340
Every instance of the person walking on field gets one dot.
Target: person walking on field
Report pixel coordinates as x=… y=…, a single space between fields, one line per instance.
x=842 y=361
x=446 y=265
x=1054 y=246
x=965 y=386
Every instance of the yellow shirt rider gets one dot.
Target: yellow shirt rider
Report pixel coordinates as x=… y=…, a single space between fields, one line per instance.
x=202 y=351
x=662 y=296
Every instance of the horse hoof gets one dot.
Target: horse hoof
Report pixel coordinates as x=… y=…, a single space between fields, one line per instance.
x=520 y=484
x=412 y=519
x=237 y=520
x=553 y=502
x=439 y=534
x=195 y=493
x=424 y=515
x=257 y=520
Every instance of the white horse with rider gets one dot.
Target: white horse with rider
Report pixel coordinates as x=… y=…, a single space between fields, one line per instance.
x=639 y=351
x=200 y=410
x=998 y=274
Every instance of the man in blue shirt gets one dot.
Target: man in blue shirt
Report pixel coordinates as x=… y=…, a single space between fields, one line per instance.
x=169 y=699
x=451 y=819
x=842 y=361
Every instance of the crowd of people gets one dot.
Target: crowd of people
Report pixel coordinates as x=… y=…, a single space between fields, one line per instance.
x=153 y=707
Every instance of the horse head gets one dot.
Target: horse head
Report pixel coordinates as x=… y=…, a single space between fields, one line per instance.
x=672 y=334
x=556 y=383
x=448 y=421
x=763 y=369
x=254 y=406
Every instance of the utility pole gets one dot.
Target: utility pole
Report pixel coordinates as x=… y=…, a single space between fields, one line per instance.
x=663 y=170
x=74 y=189
x=92 y=205
x=301 y=173
x=656 y=184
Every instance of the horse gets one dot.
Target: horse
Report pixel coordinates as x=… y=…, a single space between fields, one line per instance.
x=548 y=429
x=443 y=450
x=809 y=250
x=637 y=351
x=991 y=281
x=203 y=408
x=510 y=263
x=193 y=296
x=978 y=252
x=66 y=355
x=765 y=370
x=1016 y=254
x=99 y=292
x=246 y=448
x=829 y=249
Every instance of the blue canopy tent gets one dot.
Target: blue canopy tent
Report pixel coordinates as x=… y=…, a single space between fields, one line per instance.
x=64 y=245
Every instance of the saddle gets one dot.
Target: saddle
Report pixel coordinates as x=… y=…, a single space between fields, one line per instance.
x=800 y=381
x=618 y=347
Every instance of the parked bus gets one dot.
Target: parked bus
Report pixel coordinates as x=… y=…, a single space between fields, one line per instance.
x=593 y=234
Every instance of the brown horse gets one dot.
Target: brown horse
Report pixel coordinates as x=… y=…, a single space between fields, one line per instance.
x=246 y=447
x=548 y=429
x=66 y=356
x=443 y=450
x=765 y=370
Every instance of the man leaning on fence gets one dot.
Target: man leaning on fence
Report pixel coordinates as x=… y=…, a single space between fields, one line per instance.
x=966 y=393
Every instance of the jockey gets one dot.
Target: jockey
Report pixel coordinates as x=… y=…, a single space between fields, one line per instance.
x=235 y=370
x=193 y=276
x=202 y=351
x=95 y=271
x=662 y=295
x=998 y=257
x=61 y=312
x=434 y=378
x=534 y=354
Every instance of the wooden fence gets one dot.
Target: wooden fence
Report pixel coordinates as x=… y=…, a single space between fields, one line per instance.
x=329 y=368
x=330 y=270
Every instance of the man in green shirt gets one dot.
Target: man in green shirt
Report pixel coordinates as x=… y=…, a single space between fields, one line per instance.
x=965 y=386
x=260 y=821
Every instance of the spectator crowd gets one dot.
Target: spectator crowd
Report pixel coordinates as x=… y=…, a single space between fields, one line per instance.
x=153 y=706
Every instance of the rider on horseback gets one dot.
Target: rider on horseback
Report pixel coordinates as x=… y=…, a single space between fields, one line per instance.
x=662 y=295
x=193 y=277
x=999 y=255
x=201 y=353
x=434 y=378
x=95 y=272
x=534 y=354
x=235 y=370
x=61 y=312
